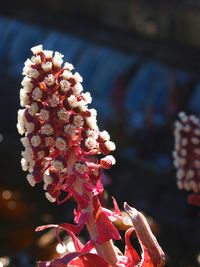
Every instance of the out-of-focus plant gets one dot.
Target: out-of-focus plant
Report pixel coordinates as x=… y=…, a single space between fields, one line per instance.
x=63 y=148
x=187 y=156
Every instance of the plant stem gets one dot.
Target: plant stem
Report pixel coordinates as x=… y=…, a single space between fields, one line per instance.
x=106 y=249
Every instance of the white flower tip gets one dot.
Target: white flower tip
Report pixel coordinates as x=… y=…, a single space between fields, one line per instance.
x=78 y=77
x=47 y=178
x=24 y=164
x=68 y=66
x=107 y=162
x=31 y=180
x=37 y=49
x=110 y=145
x=20 y=129
x=49 y=197
x=48 y=53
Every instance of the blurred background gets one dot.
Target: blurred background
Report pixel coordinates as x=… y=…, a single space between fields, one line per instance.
x=141 y=62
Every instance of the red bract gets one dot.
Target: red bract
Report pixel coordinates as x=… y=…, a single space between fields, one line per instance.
x=62 y=141
x=187 y=153
x=77 y=259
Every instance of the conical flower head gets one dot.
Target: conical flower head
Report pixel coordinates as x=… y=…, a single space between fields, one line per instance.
x=61 y=136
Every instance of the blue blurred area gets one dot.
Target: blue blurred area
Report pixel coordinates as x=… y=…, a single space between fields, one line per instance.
x=194 y=101
x=147 y=94
x=149 y=90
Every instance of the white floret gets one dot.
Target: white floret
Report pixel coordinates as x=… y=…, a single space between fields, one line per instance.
x=61 y=144
x=67 y=74
x=24 y=99
x=68 y=66
x=36 y=59
x=31 y=180
x=77 y=89
x=21 y=121
x=87 y=97
x=47 y=66
x=110 y=145
x=54 y=101
x=44 y=114
x=49 y=197
x=73 y=102
x=49 y=80
x=35 y=140
x=27 y=84
x=57 y=59
x=48 y=54
x=37 y=93
x=47 y=129
x=24 y=164
x=37 y=49
x=77 y=77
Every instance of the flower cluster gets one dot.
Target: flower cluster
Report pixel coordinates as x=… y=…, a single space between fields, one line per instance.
x=187 y=152
x=62 y=149
x=61 y=133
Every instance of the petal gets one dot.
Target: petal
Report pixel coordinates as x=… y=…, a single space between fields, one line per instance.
x=116 y=207
x=82 y=200
x=152 y=252
x=79 y=246
x=76 y=229
x=43 y=227
x=60 y=262
x=130 y=252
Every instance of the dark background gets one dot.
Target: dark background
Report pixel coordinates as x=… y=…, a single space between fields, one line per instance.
x=141 y=61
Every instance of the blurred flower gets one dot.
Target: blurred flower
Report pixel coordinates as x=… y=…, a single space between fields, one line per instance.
x=187 y=154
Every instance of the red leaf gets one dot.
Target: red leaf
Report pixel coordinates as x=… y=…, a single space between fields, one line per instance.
x=105 y=229
x=76 y=259
x=152 y=256
x=90 y=260
x=79 y=246
x=70 y=228
x=130 y=252
x=78 y=227
x=82 y=200
x=61 y=262
x=116 y=207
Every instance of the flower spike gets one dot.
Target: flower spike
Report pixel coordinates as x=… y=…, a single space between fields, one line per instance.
x=60 y=130
x=65 y=150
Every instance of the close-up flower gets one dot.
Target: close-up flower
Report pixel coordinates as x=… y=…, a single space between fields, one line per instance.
x=65 y=150
x=100 y=133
